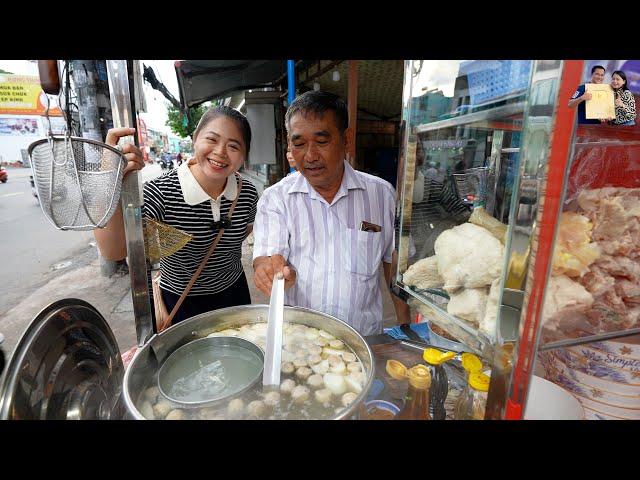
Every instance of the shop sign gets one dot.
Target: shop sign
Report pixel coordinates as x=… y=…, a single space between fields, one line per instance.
x=23 y=95
x=454 y=143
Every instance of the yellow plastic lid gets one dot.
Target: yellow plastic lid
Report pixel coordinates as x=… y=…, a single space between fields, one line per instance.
x=420 y=377
x=479 y=381
x=471 y=363
x=436 y=357
x=396 y=369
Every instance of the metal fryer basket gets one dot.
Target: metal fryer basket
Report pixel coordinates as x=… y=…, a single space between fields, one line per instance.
x=471 y=185
x=78 y=180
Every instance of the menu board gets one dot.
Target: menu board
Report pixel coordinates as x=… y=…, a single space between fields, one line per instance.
x=602 y=103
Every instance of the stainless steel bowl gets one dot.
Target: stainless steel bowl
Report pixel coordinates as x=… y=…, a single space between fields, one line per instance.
x=189 y=357
x=150 y=357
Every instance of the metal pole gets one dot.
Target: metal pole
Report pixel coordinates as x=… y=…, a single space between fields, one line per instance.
x=291 y=91
x=123 y=114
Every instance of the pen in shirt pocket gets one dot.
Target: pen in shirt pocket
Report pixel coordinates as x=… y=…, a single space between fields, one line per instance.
x=369 y=227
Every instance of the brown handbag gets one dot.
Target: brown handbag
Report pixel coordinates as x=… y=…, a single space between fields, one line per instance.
x=165 y=321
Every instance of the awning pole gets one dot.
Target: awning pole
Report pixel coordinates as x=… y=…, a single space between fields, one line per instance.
x=291 y=91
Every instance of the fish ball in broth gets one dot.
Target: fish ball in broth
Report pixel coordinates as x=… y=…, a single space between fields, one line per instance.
x=326 y=335
x=349 y=357
x=300 y=362
x=348 y=398
x=338 y=368
x=303 y=373
x=323 y=395
x=354 y=367
x=176 y=415
x=358 y=377
x=321 y=368
x=334 y=360
x=271 y=399
x=287 y=368
x=151 y=394
x=162 y=409
x=287 y=386
x=313 y=359
x=314 y=350
x=147 y=410
x=311 y=333
x=315 y=381
x=287 y=356
x=257 y=408
x=235 y=408
x=300 y=394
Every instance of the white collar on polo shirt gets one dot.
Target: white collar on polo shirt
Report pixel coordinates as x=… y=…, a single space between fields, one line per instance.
x=194 y=194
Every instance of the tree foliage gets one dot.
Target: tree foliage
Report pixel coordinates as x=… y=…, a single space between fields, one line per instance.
x=175 y=120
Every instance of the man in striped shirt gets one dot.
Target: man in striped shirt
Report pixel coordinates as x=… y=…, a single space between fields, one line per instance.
x=327 y=227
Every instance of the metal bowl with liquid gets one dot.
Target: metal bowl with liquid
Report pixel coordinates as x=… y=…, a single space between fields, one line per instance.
x=152 y=356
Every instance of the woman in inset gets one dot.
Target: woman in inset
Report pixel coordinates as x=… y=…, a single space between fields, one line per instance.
x=195 y=197
x=624 y=100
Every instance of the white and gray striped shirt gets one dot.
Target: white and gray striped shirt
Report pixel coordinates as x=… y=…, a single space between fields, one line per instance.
x=177 y=200
x=337 y=265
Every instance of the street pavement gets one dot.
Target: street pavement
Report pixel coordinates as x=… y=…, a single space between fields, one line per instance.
x=42 y=265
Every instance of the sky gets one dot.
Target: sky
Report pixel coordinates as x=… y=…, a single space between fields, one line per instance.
x=156 y=114
x=440 y=74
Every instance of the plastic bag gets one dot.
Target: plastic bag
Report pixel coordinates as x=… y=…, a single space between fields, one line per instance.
x=598 y=241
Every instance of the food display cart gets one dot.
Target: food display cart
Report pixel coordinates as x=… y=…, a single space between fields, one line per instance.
x=518 y=236
x=518 y=230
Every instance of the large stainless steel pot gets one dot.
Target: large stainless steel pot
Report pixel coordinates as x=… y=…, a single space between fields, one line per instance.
x=67 y=364
x=149 y=358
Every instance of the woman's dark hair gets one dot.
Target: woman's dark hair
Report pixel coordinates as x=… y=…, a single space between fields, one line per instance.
x=596 y=67
x=318 y=102
x=225 y=111
x=622 y=75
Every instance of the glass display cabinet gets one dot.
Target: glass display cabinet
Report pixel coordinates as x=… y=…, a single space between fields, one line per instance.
x=518 y=229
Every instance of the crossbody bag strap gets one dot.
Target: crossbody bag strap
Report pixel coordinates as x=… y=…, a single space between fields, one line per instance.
x=197 y=273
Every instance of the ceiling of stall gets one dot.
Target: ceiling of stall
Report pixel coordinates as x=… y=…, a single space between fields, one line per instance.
x=379 y=81
x=379 y=85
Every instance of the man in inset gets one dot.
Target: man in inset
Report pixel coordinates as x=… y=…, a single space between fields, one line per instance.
x=580 y=95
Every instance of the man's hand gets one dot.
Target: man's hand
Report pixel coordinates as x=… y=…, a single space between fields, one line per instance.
x=587 y=96
x=265 y=268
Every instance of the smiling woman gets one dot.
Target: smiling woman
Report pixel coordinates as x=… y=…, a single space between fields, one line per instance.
x=194 y=198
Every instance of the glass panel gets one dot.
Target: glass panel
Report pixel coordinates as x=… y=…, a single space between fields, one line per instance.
x=461 y=157
x=594 y=288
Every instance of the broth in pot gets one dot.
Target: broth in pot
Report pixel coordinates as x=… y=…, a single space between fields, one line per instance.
x=320 y=378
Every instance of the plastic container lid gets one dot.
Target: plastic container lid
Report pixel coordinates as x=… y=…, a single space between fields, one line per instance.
x=471 y=363
x=434 y=356
x=418 y=376
x=479 y=381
